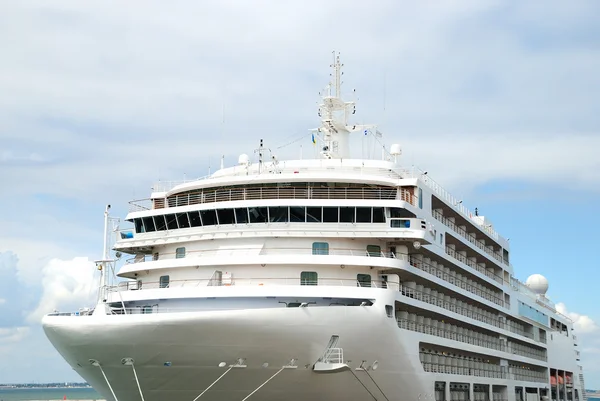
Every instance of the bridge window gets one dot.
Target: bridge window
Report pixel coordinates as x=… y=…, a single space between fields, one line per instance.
x=149 y=224
x=330 y=215
x=139 y=226
x=209 y=217
x=241 y=215
x=378 y=215
x=401 y=213
x=195 y=220
x=258 y=214
x=180 y=253
x=297 y=214
x=363 y=214
x=182 y=220
x=314 y=214
x=225 y=216
x=171 y=222
x=363 y=280
x=347 y=215
x=309 y=278
x=164 y=282
x=320 y=248
x=159 y=222
x=278 y=214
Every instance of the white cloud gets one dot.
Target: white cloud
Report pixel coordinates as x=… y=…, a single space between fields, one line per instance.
x=581 y=323
x=13 y=334
x=2 y=301
x=67 y=285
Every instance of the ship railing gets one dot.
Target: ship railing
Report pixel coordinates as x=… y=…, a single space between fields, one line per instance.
x=461 y=282
x=333 y=355
x=463 y=259
x=269 y=193
x=471 y=238
x=257 y=281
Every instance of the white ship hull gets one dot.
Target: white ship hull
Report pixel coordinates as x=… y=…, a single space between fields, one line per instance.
x=196 y=343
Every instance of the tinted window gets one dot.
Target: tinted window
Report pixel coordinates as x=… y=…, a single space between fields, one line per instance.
x=314 y=214
x=346 y=215
x=320 y=248
x=226 y=216
x=309 y=278
x=378 y=215
x=159 y=222
x=330 y=215
x=278 y=214
x=171 y=222
x=364 y=280
x=139 y=226
x=363 y=214
x=195 y=219
x=182 y=220
x=258 y=214
x=209 y=217
x=297 y=214
x=149 y=224
x=399 y=212
x=241 y=215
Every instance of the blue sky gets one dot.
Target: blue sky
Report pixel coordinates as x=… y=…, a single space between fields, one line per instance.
x=498 y=100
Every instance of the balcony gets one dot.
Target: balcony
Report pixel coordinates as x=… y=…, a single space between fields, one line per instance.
x=462 y=256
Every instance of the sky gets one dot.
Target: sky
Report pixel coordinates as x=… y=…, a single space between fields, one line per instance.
x=497 y=100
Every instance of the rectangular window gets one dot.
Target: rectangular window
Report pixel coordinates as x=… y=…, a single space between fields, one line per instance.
x=195 y=219
x=225 y=216
x=330 y=215
x=363 y=280
x=309 y=278
x=164 y=282
x=180 y=253
x=139 y=226
x=389 y=310
x=258 y=214
x=297 y=214
x=363 y=214
x=399 y=212
x=320 y=248
x=420 y=198
x=171 y=222
x=209 y=217
x=241 y=215
x=400 y=223
x=347 y=215
x=159 y=222
x=374 y=250
x=182 y=220
x=278 y=214
x=149 y=224
x=378 y=215
x=314 y=214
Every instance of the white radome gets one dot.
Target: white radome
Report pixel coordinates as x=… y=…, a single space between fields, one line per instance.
x=537 y=283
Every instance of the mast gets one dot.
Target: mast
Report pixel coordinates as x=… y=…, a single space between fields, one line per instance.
x=103 y=265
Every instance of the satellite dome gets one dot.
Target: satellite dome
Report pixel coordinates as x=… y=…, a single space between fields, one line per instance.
x=396 y=150
x=538 y=284
x=243 y=159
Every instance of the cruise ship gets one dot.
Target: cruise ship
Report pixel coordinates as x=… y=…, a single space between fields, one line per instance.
x=330 y=278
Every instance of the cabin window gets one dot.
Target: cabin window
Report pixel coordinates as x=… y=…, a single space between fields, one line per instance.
x=297 y=214
x=389 y=310
x=155 y=256
x=225 y=216
x=347 y=215
x=195 y=220
x=378 y=215
x=363 y=280
x=163 y=282
x=363 y=214
x=139 y=226
x=401 y=213
x=180 y=253
x=420 y=198
x=374 y=250
x=159 y=222
x=149 y=224
x=314 y=214
x=171 y=222
x=309 y=278
x=209 y=217
x=241 y=216
x=258 y=214
x=330 y=215
x=320 y=248
x=278 y=214
x=182 y=220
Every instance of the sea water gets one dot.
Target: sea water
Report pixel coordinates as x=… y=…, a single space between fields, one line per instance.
x=46 y=394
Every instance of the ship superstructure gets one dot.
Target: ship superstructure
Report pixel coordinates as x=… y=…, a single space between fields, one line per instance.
x=324 y=279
